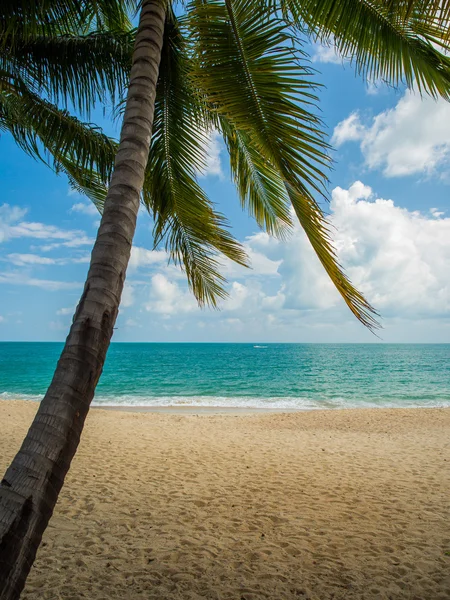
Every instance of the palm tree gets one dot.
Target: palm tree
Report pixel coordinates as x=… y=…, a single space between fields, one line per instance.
x=238 y=67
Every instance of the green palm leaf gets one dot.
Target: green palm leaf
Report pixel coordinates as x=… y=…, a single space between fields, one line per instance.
x=46 y=132
x=185 y=220
x=84 y=181
x=254 y=78
x=259 y=185
x=31 y=18
x=390 y=41
x=77 y=69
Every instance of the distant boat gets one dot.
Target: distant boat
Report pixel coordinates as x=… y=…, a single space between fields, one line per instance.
x=259 y=346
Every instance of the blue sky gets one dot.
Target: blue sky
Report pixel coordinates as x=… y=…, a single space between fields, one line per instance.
x=389 y=204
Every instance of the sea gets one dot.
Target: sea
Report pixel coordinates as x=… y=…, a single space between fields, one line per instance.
x=271 y=376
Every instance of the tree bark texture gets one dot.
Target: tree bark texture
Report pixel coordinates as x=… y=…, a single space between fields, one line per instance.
x=30 y=487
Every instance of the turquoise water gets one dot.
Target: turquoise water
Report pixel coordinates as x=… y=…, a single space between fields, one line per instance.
x=271 y=376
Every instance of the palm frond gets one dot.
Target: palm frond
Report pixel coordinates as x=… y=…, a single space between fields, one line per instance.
x=259 y=185
x=431 y=11
x=85 y=181
x=390 y=41
x=31 y=18
x=194 y=234
x=256 y=80
x=253 y=76
x=76 y=69
x=48 y=133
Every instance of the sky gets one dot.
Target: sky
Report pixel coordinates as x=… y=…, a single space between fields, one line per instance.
x=389 y=209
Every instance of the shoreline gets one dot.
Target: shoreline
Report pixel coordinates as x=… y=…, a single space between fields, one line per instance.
x=196 y=409
x=192 y=410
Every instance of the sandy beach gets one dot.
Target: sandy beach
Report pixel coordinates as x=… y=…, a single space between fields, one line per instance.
x=348 y=504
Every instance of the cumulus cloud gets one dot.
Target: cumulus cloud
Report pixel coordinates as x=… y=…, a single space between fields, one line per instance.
x=411 y=138
x=168 y=298
x=259 y=263
x=239 y=296
x=349 y=130
x=373 y=88
x=400 y=259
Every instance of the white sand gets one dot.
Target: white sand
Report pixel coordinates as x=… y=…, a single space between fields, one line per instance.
x=321 y=505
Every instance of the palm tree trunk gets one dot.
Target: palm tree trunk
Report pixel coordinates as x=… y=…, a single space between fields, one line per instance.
x=30 y=487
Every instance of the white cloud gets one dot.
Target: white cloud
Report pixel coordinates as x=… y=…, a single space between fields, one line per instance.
x=58 y=326
x=85 y=259
x=15 y=278
x=239 y=295
x=24 y=260
x=72 y=242
x=8 y=216
x=259 y=264
x=132 y=323
x=30 y=259
x=213 y=150
x=11 y=226
x=400 y=259
x=327 y=53
x=168 y=298
x=141 y=257
x=85 y=208
x=436 y=213
x=413 y=137
x=127 y=299
x=43 y=232
x=66 y=311
x=373 y=88
x=349 y=130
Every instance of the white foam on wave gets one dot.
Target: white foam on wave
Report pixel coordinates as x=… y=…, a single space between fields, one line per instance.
x=18 y=396
x=276 y=403
x=210 y=401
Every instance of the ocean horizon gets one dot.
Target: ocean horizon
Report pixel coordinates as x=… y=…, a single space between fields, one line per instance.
x=245 y=375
